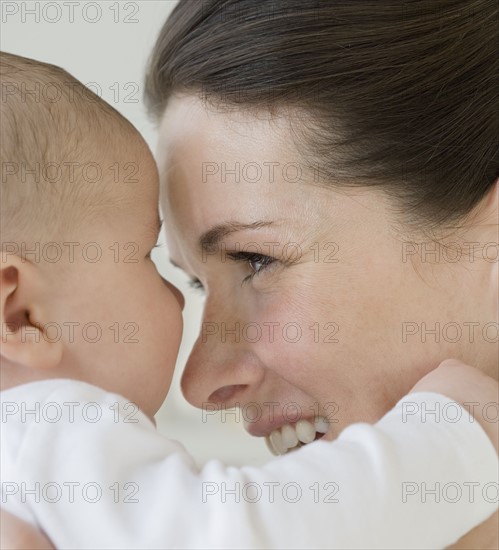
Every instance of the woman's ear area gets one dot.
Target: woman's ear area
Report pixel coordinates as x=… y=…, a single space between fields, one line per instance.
x=493 y=201
x=488 y=209
x=493 y=209
x=24 y=342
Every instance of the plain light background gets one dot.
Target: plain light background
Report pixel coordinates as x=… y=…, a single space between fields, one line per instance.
x=106 y=45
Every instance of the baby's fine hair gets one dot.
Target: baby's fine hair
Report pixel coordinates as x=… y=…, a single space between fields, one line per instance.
x=56 y=139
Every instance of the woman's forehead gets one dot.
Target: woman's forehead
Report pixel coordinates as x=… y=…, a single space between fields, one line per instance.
x=189 y=121
x=218 y=169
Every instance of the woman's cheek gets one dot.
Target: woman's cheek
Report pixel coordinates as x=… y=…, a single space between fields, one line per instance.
x=285 y=332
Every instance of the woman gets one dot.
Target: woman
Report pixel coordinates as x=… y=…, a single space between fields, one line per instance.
x=329 y=179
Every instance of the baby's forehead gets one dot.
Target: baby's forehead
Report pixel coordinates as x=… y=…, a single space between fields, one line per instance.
x=77 y=163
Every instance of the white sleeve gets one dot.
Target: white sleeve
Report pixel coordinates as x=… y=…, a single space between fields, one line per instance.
x=115 y=484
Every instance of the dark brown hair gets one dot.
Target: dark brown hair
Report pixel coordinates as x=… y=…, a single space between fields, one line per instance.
x=399 y=93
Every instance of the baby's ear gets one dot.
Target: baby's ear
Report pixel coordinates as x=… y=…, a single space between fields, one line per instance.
x=24 y=342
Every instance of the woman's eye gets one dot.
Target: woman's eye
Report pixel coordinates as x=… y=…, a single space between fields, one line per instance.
x=196 y=284
x=259 y=262
x=256 y=262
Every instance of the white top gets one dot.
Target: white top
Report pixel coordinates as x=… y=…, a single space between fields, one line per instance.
x=93 y=472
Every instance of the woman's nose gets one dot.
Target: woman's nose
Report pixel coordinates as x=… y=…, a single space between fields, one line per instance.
x=176 y=292
x=221 y=373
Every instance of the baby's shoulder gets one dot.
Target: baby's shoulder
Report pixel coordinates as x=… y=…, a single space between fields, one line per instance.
x=45 y=392
x=64 y=401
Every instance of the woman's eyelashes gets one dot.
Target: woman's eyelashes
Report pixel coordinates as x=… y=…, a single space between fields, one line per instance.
x=196 y=285
x=257 y=263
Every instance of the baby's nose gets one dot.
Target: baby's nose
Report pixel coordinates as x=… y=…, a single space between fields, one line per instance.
x=176 y=292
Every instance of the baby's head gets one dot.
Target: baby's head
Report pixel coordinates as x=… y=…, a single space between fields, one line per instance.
x=80 y=296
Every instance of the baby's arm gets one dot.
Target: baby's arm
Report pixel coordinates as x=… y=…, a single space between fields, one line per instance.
x=465 y=385
x=362 y=490
x=15 y=534
x=455 y=379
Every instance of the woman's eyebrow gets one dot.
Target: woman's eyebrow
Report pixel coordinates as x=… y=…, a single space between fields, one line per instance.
x=210 y=239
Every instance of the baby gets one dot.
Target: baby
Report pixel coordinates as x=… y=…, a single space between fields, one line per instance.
x=90 y=335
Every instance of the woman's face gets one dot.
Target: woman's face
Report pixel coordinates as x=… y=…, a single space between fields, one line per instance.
x=315 y=305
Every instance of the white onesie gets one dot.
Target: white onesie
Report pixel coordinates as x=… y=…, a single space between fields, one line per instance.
x=93 y=473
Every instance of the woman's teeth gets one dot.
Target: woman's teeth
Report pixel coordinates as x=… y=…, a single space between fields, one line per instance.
x=289 y=436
